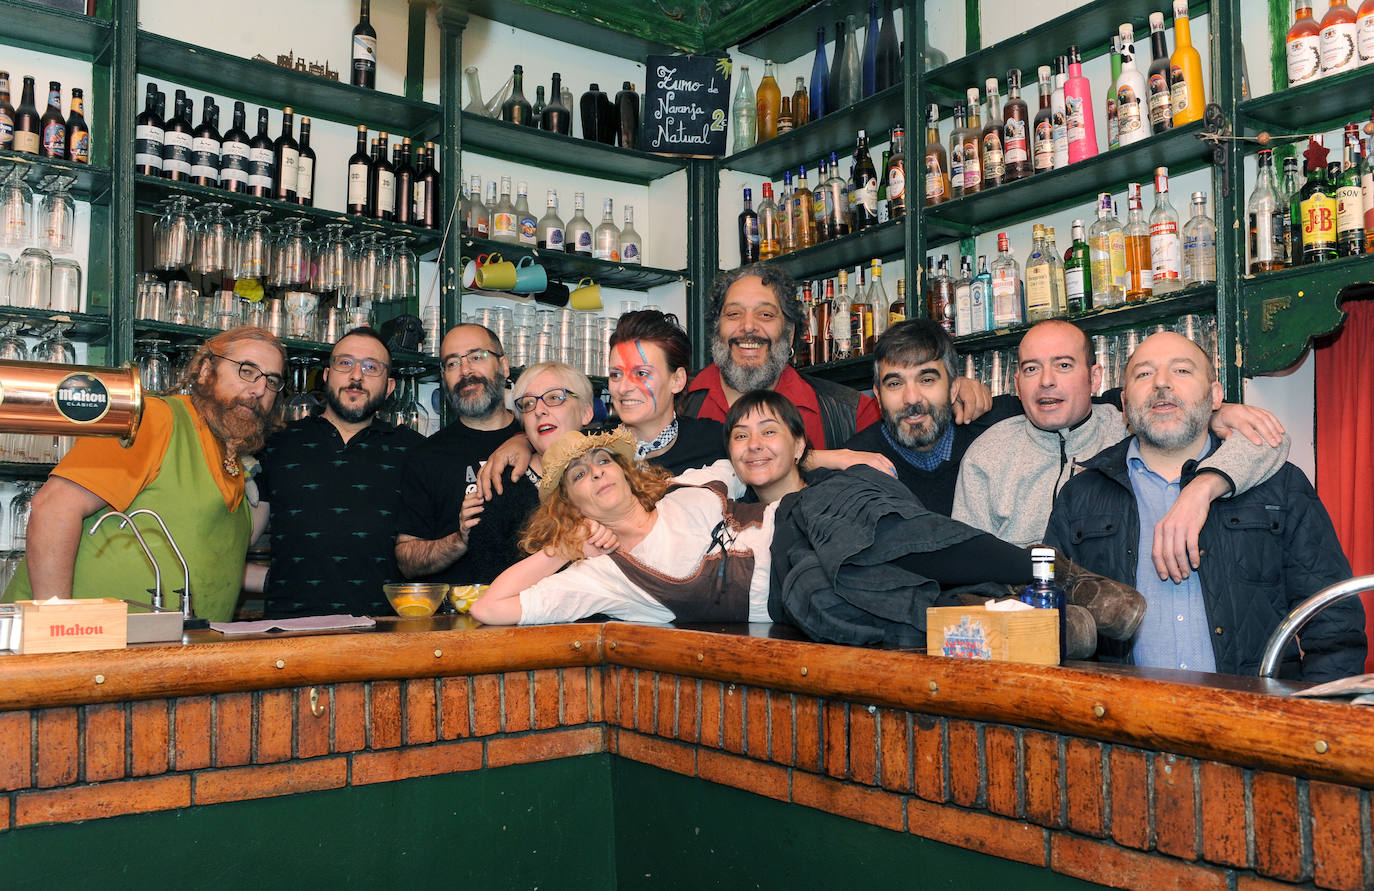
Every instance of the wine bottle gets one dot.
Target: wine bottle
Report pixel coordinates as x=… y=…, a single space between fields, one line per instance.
x=1199 y=244
x=176 y=140
x=851 y=75
x=865 y=187
x=359 y=175
x=53 y=126
x=748 y=231
x=556 y=118
x=627 y=114
x=26 y=130
x=364 y=49
x=305 y=168
x=428 y=176
x=889 y=71
x=820 y=79
x=1107 y=253
x=1338 y=39
x=205 y=146
x=832 y=83
x=516 y=109
x=381 y=191
x=6 y=113
x=286 y=159
x=537 y=112
x=1265 y=211
x=148 y=137
x=870 y=59
x=78 y=132
x=233 y=153
x=405 y=182
x=260 y=160
x=1113 y=124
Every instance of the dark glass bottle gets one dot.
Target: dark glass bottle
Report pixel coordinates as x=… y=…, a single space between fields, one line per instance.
x=53 y=126
x=748 y=231
x=6 y=113
x=364 y=49
x=1349 y=197
x=233 y=153
x=537 y=113
x=1016 y=134
x=305 y=170
x=148 y=137
x=260 y=157
x=820 y=79
x=870 y=60
x=1160 y=79
x=205 y=146
x=417 y=193
x=381 y=188
x=596 y=112
x=286 y=159
x=889 y=69
x=78 y=131
x=428 y=176
x=516 y=109
x=26 y=131
x=359 y=176
x=627 y=116
x=1317 y=209
x=864 y=197
x=832 y=87
x=556 y=117
x=176 y=140
x=405 y=182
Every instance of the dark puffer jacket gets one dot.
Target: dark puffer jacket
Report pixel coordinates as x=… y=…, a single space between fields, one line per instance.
x=1264 y=552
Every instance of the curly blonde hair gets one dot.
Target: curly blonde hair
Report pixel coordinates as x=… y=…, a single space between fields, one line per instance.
x=558 y=526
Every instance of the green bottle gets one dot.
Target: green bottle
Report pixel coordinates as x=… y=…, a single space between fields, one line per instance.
x=1317 y=209
x=1349 y=199
x=1078 y=286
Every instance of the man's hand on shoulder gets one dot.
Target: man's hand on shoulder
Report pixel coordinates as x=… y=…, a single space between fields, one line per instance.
x=970 y=398
x=1175 y=550
x=514 y=453
x=840 y=459
x=1256 y=424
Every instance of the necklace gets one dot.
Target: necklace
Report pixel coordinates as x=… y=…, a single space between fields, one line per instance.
x=231 y=466
x=662 y=441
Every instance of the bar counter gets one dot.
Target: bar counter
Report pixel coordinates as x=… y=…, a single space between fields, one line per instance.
x=1109 y=774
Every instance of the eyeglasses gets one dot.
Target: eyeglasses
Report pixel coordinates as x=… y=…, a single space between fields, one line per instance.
x=552 y=398
x=252 y=374
x=454 y=363
x=369 y=367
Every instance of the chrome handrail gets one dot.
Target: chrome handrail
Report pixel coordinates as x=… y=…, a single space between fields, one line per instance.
x=1304 y=611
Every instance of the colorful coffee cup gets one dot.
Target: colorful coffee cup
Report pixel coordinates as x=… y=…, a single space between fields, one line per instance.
x=530 y=277
x=586 y=296
x=496 y=274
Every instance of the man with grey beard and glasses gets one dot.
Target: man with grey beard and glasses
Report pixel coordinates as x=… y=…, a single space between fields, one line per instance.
x=1258 y=555
x=436 y=538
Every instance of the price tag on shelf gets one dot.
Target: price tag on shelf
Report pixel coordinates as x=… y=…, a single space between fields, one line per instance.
x=686 y=105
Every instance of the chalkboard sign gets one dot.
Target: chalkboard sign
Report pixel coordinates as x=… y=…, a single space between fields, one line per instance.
x=686 y=105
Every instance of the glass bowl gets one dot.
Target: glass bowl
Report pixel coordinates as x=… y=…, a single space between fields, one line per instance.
x=416 y=598
x=464 y=596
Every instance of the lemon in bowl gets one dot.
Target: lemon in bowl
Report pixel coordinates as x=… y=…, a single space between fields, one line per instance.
x=416 y=599
x=464 y=596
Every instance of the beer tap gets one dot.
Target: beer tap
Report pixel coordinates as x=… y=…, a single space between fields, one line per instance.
x=126 y=520
x=187 y=614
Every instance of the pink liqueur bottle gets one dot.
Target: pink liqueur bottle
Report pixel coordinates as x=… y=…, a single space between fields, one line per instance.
x=1078 y=111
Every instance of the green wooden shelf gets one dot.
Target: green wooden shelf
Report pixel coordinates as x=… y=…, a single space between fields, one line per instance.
x=86 y=182
x=24 y=470
x=552 y=151
x=1090 y=26
x=856 y=372
x=1178 y=149
x=832 y=133
x=569 y=268
x=881 y=242
x=1319 y=105
x=267 y=84
x=795 y=36
x=84 y=326
x=51 y=30
x=1283 y=312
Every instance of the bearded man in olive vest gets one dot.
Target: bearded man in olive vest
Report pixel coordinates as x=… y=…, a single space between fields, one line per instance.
x=185 y=463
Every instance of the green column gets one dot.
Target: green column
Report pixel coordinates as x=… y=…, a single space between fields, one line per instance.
x=118 y=215
x=913 y=112
x=1231 y=231
x=453 y=18
x=703 y=249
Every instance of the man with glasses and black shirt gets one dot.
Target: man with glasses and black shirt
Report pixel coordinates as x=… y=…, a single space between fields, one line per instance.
x=185 y=463
x=331 y=483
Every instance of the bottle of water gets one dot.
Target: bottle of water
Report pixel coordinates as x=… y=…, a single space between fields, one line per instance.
x=1043 y=593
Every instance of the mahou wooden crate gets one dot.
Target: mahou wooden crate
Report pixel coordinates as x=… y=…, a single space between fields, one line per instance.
x=61 y=626
x=976 y=632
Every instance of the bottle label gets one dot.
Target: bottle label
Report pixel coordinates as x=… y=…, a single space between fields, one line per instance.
x=1161 y=101
x=896 y=184
x=6 y=130
x=1304 y=59
x=993 y=158
x=260 y=168
x=1006 y=301
x=529 y=230
x=55 y=139
x=1074 y=120
x=1367 y=193
x=956 y=164
x=1318 y=222
x=1044 y=144
x=364 y=51
x=305 y=179
x=963 y=309
x=1037 y=289
x=79 y=142
x=503 y=225
x=176 y=152
x=1113 y=128
x=417 y=201
x=1364 y=38
x=290 y=169
x=1074 y=287
x=1060 y=134
x=869 y=198
x=1166 y=258
x=1128 y=123
x=1338 y=48
x=935 y=178
x=1262 y=228
x=357 y=184
x=386 y=193
x=1116 y=245
x=584 y=241
x=26 y=141
x=1014 y=149
x=1349 y=208
x=1179 y=91
x=629 y=252
x=205 y=158
x=555 y=238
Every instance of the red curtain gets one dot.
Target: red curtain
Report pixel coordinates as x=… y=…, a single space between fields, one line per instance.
x=1345 y=440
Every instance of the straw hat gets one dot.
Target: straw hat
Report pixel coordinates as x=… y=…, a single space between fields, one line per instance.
x=573 y=445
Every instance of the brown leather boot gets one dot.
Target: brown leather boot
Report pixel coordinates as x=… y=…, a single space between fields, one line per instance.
x=1080 y=633
x=1117 y=608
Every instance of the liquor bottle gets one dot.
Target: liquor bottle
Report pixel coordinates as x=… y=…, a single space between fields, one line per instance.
x=896 y=311
x=526 y=226
x=477 y=221
x=1287 y=192
x=1040 y=293
x=233 y=153
x=994 y=158
x=980 y=297
x=940 y=300
x=1043 y=593
x=889 y=51
x=549 y=233
x=382 y=187
x=260 y=155
x=861 y=315
x=787 y=232
x=1166 y=246
x=767 y=104
x=1077 y=273
x=973 y=146
x=504 y=225
x=7 y=113
x=1044 y=124
x=820 y=210
x=286 y=163
x=359 y=171
x=937 y=170
x=743 y=113
x=935 y=58
x=27 y=136
x=1364 y=39
x=1338 y=39
x=147 y=137
x=606 y=241
x=1060 y=113
x=748 y=231
x=426 y=192
x=895 y=174
x=1016 y=137
x=627 y=116
x=78 y=131
x=963 y=306
x=820 y=79
x=1008 y=296
x=877 y=296
x=305 y=168
x=1133 y=121
x=1139 y=269
x=1107 y=253
x=176 y=141
x=841 y=331
x=364 y=49
x=631 y=247
x=803 y=210
x=801 y=104
x=1159 y=79
x=1078 y=111
x=1199 y=245
x=1190 y=98
x=1367 y=188
x=956 y=151
x=556 y=117
x=851 y=82
x=537 y=110
x=770 y=226
x=821 y=324
x=1303 y=46
x=806 y=336
x=1349 y=199
x=785 y=115
x=865 y=194
x=598 y=116
x=490 y=205
x=53 y=126
x=205 y=146
x=1113 y=125
x=1264 y=213
x=839 y=221
x=870 y=59
x=517 y=109
x=1058 y=289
